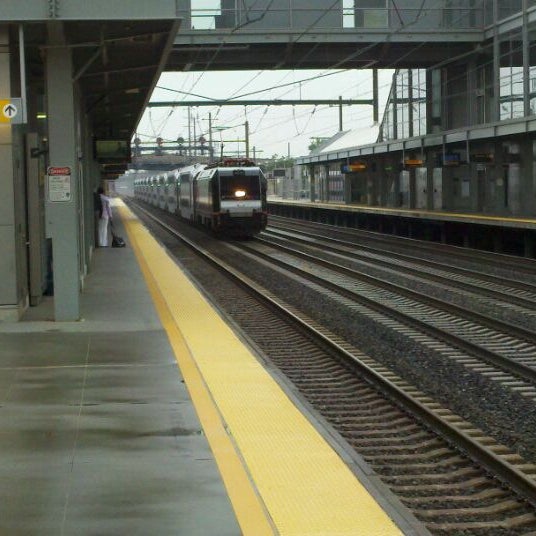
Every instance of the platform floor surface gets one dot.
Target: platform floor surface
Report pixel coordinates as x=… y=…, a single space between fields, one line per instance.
x=98 y=434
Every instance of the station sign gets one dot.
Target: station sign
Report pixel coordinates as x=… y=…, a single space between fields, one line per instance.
x=482 y=158
x=11 y=111
x=59 y=184
x=451 y=159
x=414 y=162
x=353 y=168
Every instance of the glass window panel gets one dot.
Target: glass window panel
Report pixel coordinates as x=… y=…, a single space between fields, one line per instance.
x=511 y=80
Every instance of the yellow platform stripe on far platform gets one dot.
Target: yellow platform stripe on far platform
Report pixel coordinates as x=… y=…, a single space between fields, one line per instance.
x=306 y=488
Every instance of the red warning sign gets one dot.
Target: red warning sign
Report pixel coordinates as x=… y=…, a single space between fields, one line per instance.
x=59 y=170
x=59 y=184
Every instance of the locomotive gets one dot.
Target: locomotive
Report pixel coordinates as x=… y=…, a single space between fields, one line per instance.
x=227 y=197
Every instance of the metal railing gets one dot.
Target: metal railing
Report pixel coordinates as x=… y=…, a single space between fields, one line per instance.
x=292 y=15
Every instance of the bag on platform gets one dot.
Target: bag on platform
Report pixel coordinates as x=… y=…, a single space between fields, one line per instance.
x=117 y=241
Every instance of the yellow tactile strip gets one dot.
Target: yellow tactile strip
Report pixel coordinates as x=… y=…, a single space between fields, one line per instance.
x=305 y=486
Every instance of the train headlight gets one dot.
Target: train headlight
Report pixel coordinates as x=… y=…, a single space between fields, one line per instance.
x=240 y=193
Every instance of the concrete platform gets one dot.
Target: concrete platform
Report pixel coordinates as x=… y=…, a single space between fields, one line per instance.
x=98 y=434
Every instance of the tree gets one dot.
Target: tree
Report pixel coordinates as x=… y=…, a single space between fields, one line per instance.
x=315 y=143
x=278 y=162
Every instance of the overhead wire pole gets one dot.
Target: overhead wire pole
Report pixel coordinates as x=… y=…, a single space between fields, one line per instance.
x=247 y=138
x=189 y=133
x=195 y=139
x=375 y=100
x=211 y=147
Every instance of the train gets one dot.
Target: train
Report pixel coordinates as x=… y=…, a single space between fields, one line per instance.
x=228 y=197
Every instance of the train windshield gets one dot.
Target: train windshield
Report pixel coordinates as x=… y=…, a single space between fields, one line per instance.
x=242 y=187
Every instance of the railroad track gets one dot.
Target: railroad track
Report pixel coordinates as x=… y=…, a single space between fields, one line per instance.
x=506 y=353
x=507 y=294
x=450 y=474
x=398 y=247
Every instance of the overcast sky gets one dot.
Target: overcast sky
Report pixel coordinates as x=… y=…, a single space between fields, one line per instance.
x=272 y=129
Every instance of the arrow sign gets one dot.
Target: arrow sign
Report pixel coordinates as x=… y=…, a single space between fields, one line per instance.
x=11 y=110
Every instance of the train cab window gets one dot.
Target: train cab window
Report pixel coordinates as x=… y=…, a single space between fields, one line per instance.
x=241 y=187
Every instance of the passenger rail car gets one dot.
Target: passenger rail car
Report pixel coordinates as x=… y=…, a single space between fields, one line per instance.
x=228 y=197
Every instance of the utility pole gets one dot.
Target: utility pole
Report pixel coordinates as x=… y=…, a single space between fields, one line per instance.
x=247 y=139
x=340 y=114
x=189 y=134
x=375 y=105
x=195 y=140
x=210 y=148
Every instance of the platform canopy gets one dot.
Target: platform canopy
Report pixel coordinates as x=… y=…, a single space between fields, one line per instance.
x=119 y=49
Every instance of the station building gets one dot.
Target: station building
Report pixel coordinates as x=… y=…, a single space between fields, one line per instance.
x=456 y=136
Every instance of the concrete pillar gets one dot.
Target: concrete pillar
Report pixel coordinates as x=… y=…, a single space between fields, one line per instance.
x=373 y=187
x=9 y=309
x=477 y=184
x=497 y=187
x=312 y=189
x=383 y=183
x=421 y=188
x=412 y=188
x=397 y=195
x=527 y=178
x=324 y=185
x=347 y=188
x=62 y=215
x=438 y=193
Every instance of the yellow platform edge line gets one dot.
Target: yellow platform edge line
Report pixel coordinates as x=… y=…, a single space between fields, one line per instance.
x=306 y=487
x=250 y=513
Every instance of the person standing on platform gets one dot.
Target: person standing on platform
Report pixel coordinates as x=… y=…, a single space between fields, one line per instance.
x=97 y=209
x=105 y=218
